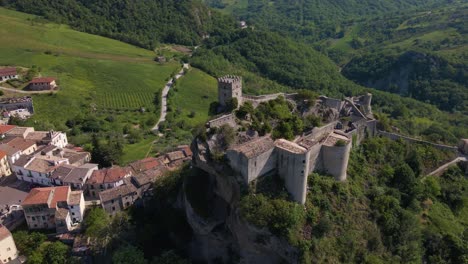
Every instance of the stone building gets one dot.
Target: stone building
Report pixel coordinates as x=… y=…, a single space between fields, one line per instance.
x=15 y=103
x=119 y=198
x=229 y=87
x=8 y=251
x=43 y=83
x=325 y=149
x=9 y=73
x=105 y=179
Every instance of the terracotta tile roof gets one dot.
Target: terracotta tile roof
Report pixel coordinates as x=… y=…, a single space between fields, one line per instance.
x=17 y=131
x=2 y=154
x=21 y=144
x=61 y=213
x=175 y=155
x=75 y=197
x=40 y=165
x=37 y=135
x=255 y=147
x=5 y=128
x=4 y=232
x=43 y=80
x=23 y=160
x=117 y=192
x=145 y=164
x=42 y=196
x=62 y=171
x=109 y=175
x=8 y=71
x=149 y=176
x=8 y=150
x=186 y=150
x=77 y=175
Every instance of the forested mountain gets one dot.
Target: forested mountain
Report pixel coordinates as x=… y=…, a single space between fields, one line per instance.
x=312 y=19
x=143 y=23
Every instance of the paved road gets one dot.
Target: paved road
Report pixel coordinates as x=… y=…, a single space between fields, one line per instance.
x=165 y=91
x=26 y=92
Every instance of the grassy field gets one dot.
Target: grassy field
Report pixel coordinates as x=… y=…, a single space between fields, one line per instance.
x=99 y=78
x=194 y=92
x=91 y=70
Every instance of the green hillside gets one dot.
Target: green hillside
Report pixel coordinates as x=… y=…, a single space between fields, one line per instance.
x=104 y=80
x=144 y=23
x=312 y=19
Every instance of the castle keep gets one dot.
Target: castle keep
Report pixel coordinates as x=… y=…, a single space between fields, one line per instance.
x=325 y=148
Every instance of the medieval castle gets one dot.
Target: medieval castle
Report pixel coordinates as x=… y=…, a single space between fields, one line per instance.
x=325 y=148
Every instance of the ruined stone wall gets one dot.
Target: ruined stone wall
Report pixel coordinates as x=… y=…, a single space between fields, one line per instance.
x=320 y=131
x=335 y=160
x=394 y=136
x=222 y=120
x=293 y=169
x=315 y=158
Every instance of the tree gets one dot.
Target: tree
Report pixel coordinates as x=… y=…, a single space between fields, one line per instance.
x=169 y=257
x=97 y=224
x=128 y=254
x=56 y=253
x=27 y=243
x=232 y=105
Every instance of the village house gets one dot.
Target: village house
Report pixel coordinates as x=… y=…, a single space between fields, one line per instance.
x=4 y=129
x=5 y=169
x=145 y=164
x=12 y=154
x=37 y=169
x=26 y=147
x=8 y=250
x=14 y=103
x=144 y=180
x=53 y=207
x=9 y=73
x=73 y=176
x=104 y=179
x=43 y=83
x=21 y=132
x=176 y=158
x=119 y=198
x=55 y=138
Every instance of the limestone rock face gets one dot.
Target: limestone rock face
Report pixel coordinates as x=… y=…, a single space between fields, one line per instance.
x=223 y=236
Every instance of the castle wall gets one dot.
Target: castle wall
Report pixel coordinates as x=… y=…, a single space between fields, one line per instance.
x=220 y=121
x=293 y=169
x=319 y=131
x=335 y=160
x=394 y=136
x=261 y=164
x=239 y=163
x=315 y=158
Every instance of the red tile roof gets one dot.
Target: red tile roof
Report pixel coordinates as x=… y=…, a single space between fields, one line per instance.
x=43 y=80
x=145 y=164
x=4 y=232
x=20 y=144
x=2 y=154
x=5 y=128
x=109 y=175
x=8 y=71
x=41 y=196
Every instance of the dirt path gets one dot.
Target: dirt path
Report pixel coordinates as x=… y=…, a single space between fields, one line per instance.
x=165 y=91
x=27 y=92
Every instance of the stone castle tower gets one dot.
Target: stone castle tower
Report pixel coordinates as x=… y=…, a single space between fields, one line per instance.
x=229 y=87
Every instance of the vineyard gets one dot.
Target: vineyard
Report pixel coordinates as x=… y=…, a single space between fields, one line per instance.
x=128 y=100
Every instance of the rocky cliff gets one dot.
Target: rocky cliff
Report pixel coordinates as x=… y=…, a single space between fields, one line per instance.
x=220 y=234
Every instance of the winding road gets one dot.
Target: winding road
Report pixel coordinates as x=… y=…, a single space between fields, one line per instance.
x=165 y=91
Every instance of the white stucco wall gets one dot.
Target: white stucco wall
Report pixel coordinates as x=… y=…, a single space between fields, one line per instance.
x=8 y=249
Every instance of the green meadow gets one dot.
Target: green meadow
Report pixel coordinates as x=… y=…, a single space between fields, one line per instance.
x=93 y=72
x=193 y=92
